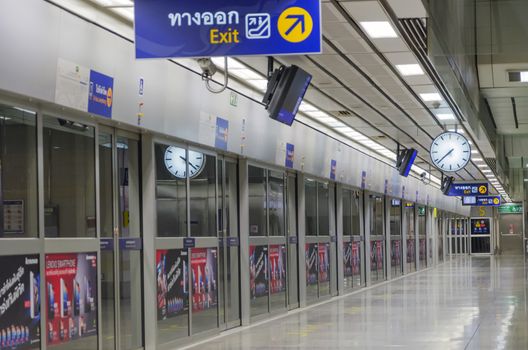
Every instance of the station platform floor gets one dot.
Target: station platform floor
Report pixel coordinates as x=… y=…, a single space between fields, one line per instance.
x=464 y=303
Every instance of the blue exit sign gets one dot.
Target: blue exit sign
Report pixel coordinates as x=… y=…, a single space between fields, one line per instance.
x=190 y=28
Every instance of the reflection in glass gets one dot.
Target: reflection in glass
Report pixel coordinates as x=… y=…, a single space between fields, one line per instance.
x=376 y=217
x=171 y=201
x=18 y=173
x=106 y=191
x=276 y=203
x=323 y=209
x=202 y=197
x=310 y=194
x=347 y=212
x=69 y=178
x=130 y=262
x=257 y=201
x=411 y=239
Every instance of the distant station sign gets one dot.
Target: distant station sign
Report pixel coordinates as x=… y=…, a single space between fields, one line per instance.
x=189 y=28
x=468 y=189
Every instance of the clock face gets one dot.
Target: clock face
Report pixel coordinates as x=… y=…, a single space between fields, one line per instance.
x=176 y=162
x=450 y=152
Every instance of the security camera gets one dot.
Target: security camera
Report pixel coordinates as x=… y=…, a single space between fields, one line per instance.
x=208 y=67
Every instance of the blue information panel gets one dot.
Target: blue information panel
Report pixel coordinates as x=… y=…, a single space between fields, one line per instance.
x=190 y=28
x=468 y=189
x=489 y=201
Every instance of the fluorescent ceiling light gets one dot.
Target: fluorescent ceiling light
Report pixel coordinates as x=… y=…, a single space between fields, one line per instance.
x=317 y=114
x=4 y=118
x=445 y=116
x=459 y=131
x=260 y=84
x=524 y=77
x=24 y=110
x=486 y=171
x=306 y=107
x=474 y=151
x=410 y=69
x=379 y=29
x=431 y=97
x=475 y=159
x=246 y=74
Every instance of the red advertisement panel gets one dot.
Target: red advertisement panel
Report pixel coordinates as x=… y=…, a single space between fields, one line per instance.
x=277 y=265
x=324 y=262
x=71 y=296
x=204 y=278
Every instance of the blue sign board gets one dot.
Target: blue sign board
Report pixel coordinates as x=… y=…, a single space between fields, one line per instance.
x=333 y=167
x=290 y=153
x=189 y=28
x=488 y=201
x=130 y=244
x=363 y=179
x=101 y=94
x=106 y=244
x=233 y=242
x=189 y=242
x=468 y=189
x=222 y=133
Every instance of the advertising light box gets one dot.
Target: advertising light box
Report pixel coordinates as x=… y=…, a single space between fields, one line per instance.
x=71 y=296
x=189 y=28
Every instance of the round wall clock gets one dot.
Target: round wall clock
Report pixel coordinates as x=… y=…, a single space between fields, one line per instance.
x=450 y=152
x=175 y=162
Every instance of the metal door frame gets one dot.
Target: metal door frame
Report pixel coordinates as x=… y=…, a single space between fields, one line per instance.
x=114 y=134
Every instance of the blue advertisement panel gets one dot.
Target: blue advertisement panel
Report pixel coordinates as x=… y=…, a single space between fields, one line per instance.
x=222 y=133
x=468 y=189
x=187 y=28
x=100 y=96
x=290 y=153
x=489 y=201
x=333 y=167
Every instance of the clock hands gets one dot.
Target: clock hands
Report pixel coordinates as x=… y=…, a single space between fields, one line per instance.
x=191 y=164
x=448 y=153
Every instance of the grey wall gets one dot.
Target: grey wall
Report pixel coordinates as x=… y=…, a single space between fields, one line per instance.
x=34 y=35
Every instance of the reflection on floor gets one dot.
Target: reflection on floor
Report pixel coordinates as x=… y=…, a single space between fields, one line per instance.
x=466 y=303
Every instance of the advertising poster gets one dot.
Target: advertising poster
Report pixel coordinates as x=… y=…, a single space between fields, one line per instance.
x=204 y=278
x=310 y=251
x=277 y=264
x=20 y=302
x=379 y=254
x=347 y=259
x=396 y=253
x=290 y=155
x=422 y=250
x=71 y=296
x=258 y=271
x=410 y=251
x=356 y=258
x=172 y=278
x=324 y=262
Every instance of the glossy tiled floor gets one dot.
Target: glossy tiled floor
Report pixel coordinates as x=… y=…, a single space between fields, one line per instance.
x=466 y=303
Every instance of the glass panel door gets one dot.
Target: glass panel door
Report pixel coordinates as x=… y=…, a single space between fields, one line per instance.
x=229 y=249
x=121 y=244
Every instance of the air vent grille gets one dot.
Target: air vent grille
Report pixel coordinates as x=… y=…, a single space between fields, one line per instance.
x=416 y=28
x=342 y=113
x=492 y=163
